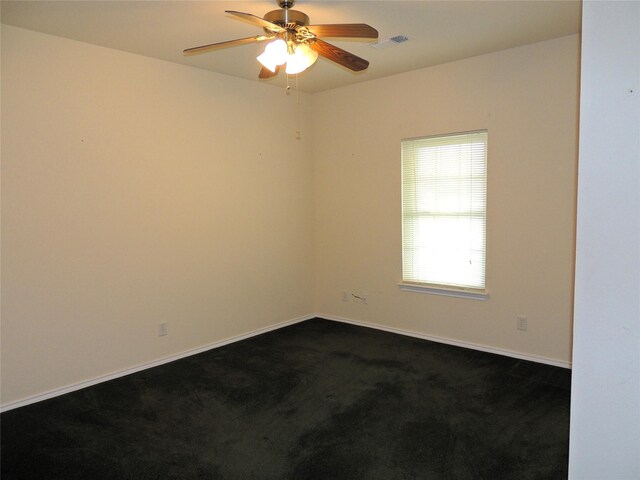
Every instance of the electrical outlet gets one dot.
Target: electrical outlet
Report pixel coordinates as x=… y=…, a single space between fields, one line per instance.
x=522 y=323
x=345 y=296
x=365 y=299
x=162 y=329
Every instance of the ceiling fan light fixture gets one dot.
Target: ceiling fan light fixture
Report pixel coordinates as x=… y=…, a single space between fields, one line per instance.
x=303 y=57
x=275 y=53
x=291 y=39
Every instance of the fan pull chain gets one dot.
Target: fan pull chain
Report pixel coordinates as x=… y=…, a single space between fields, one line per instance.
x=287 y=91
x=298 y=134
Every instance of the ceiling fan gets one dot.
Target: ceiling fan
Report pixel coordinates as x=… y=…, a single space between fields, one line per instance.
x=295 y=43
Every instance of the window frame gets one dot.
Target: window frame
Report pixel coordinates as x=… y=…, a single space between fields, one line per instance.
x=444 y=288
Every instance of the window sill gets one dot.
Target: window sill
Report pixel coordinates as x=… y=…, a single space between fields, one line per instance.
x=448 y=292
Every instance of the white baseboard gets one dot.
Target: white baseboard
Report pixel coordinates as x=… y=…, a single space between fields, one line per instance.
x=450 y=341
x=121 y=373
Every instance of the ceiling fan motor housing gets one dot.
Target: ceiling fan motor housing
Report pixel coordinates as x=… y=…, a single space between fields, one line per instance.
x=287 y=18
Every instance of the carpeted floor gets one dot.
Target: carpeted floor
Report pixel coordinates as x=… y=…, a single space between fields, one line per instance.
x=316 y=400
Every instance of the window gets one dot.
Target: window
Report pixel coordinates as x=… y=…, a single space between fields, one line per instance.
x=444 y=198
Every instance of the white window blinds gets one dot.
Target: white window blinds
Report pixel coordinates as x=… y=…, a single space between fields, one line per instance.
x=444 y=198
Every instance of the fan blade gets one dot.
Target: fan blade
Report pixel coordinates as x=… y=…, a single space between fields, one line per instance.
x=339 y=55
x=266 y=73
x=228 y=43
x=261 y=22
x=355 y=30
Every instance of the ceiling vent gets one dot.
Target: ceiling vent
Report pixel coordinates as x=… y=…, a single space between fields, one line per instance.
x=389 y=42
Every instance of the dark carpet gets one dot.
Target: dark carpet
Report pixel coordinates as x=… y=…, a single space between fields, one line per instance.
x=316 y=400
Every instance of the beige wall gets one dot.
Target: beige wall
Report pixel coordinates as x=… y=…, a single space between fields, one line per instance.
x=527 y=98
x=134 y=192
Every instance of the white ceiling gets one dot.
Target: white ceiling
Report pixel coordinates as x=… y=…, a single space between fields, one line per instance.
x=438 y=31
